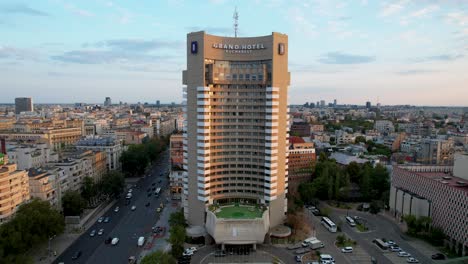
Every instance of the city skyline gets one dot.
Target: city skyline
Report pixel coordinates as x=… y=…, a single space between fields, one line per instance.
x=353 y=51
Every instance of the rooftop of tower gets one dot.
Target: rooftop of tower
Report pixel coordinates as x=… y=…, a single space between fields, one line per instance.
x=237 y=211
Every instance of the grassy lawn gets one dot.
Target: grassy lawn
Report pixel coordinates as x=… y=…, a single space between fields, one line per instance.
x=361 y=228
x=239 y=212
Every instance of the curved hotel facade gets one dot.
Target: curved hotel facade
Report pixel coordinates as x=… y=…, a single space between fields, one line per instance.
x=236 y=135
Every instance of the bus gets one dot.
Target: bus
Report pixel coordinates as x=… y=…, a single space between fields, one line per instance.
x=328 y=224
x=350 y=221
x=158 y=190
x=382 y=245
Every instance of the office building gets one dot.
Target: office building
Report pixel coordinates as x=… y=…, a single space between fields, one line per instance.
x=368 y=105
x=439 y=192
x=301 y=160
x=108 y=101
x=23 y=104
x=235 y=146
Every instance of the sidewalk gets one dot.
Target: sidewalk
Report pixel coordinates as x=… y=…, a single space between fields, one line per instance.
x=60 y=243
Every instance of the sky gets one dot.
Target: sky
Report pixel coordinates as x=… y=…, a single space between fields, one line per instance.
x=391 y=52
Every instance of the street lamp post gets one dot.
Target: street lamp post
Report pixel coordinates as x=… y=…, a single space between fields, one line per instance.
x=50 y=239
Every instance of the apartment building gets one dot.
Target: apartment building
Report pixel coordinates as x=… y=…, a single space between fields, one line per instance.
x=27 y=156
x=301 y=160
x=110 y=146
x=43 y=185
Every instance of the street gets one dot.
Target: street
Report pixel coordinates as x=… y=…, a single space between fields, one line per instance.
x=125 y=224
x=379 y=227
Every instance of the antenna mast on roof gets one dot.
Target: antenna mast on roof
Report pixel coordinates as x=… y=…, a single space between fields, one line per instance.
x=236 y=22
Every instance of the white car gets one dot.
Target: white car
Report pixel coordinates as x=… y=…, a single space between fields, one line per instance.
x=347 y=250
x=412 y=260
x=130 y=190
x=133 y=208
x=193 y=249
x=100 y=232
x=116 y=209
x=404 y=254
x=114 y=241
x=395 y=249
x=187 y=252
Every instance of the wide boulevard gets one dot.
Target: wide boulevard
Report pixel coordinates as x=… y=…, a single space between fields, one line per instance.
x=127 y=225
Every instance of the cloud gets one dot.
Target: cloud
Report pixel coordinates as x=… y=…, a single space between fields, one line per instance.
x=212 y=30
x=8 y=52
x=75 y=10
x=300 y=22
x=419 y=14
x=441 y=57
x=458 y=18
x=415 y=72
x=393 y=8
x=343 y=58
x=137 y=45
x=106 y=57
x=22 y=9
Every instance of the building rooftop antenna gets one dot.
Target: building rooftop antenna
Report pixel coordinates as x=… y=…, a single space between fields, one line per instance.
x=236 y=22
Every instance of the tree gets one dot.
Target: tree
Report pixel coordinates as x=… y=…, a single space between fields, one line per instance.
x=354 y=171
x=32 y=224
x=88 y=188
x=72 y=203
x=158 y=257
x=375 y=207
x=177 y=238
x=379 y=182
x=360 y=139
x=364 y=184
x=112 y=183
x=177 y=218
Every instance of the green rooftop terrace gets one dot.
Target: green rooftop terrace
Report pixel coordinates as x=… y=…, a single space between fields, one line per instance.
x=239 y=212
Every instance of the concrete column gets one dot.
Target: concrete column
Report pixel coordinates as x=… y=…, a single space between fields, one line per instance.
x=254 y=247
x=223 y=246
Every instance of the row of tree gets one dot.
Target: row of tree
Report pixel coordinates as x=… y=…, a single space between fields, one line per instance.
x=110 y=185
x=177 y=238
x=334 y=182
x=34 y=223
x=421 y=227
x=137 y=157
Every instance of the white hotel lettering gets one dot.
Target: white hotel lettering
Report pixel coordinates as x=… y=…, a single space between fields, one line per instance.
x=235 y=48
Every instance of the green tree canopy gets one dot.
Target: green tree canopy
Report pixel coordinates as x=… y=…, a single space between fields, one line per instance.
x=88 y=188
x=158 y=257
x=177 y=238
x=177 y=218
x=112 y=183
x=72 y=203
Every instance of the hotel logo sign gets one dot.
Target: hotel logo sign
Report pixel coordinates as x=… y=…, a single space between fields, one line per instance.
x=194 y=47
x=239 y=48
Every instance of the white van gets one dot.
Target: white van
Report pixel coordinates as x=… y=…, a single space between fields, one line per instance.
x=141 y=241
x=326 y=259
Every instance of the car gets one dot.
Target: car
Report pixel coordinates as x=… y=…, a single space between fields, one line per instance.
x=395 y=249
x=115 y=241
x=133 y=208
x=108 y=240
x=391 y=243
x=158 y=209
x=220 y=253
x=187 y=253
x=412 y=260
x=131 y=260
x=438 y=256
x=130 y=190
x=193 y=249
x=106 y=220
x=147 y=204
x=93 y=233
x=100 y=232
x=76 y=255
x=404 y=254
x=154 y=189
x=100 y=219
x=298 y=258
x=116 y=209
x=347 y=250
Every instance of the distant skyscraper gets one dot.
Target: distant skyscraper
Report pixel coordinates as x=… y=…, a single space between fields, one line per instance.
x=317 y=104
x=235 y=151
x=108 y=101
x=23 y=104
x=334 y=103
x=368 y=105
x=322 y=103
x=158 y=104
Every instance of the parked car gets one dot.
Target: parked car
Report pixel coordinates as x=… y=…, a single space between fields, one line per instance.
x=347 y=250
x=100 y=219
x=116 y=209
x=77 y=255
x=93 y=233
x=130 y=190
x=438 y=256
x=106 y=220
x=187 y=253
x=158 y=209
x=412 y=260
x=108 y=240
x=395 y=249
x=193 y=249
x=391 y=243
x=404 y=254
x=298 y=258
x=133 y=208
x=115 y=241
x=131 y=260
x=100 y=232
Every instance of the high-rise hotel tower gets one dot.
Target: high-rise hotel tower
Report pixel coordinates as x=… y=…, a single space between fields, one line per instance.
x=235 y=145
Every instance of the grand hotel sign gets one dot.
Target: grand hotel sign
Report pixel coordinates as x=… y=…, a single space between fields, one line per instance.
x=239 y=48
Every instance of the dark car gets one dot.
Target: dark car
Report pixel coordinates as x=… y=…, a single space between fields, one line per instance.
x=154 y=189
x=77 y=255
x=106 y=220
x=438 y=256
x=108 y=240
x=147 y=204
